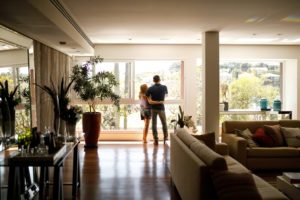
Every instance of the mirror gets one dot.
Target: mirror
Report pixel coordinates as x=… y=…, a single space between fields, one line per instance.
x=15 y=65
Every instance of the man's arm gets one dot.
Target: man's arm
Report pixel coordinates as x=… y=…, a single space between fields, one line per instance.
x=152 y=102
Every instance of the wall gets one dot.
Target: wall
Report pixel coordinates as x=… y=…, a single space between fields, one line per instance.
x=50 y=67
x=190 y=53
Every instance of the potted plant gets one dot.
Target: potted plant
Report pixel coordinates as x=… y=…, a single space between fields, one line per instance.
x=60 y=101
x=9 y=100
x=89 y=88
x=184 y=120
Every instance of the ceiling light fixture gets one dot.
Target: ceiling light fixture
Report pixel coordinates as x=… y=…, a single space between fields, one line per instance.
x=291 y=18
x=62 y=42
x=255 y=19
x=255 y=40
x=290 y=41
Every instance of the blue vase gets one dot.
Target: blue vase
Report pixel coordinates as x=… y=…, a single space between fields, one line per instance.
x=263 y=103
x=277 y=105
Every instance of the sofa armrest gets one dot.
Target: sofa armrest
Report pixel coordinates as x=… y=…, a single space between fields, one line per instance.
x=237 y=147
x=222 y=149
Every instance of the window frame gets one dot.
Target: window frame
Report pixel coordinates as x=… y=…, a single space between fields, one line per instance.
x=132 y=99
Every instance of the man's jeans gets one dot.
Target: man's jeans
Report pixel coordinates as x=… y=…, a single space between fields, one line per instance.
x=162 y=116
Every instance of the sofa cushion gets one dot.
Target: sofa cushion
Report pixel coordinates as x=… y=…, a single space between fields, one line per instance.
x=247 y=135
x=291 y=136
x=261 y=138
x=185 y=137
x=232 y=185
x=275 y=133
x=273 y=152
x=230 y=126
x=213 y=160
x=208 y=138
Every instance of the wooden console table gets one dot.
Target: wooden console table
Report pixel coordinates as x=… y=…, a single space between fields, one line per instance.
x=15 y=163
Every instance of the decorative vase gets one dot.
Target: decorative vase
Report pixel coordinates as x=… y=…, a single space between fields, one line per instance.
x=71 y=129
x=62 y=127
x=5 y=120
x=91 y=124
x=277 y=105
x=263 y=103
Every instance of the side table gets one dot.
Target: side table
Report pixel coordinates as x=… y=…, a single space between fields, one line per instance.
x=287 y=188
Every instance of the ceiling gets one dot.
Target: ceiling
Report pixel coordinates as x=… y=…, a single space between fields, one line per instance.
x=81 y=23
x=4 y=46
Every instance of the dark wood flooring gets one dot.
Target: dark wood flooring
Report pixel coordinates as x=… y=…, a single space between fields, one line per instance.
x=125 y=170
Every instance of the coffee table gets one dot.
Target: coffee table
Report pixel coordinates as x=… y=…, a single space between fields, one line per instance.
x=287 y=188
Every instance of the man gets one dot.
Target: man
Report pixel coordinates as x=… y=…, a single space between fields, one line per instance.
x=157 y=93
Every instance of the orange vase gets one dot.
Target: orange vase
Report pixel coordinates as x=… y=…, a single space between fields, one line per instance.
x=91 y=125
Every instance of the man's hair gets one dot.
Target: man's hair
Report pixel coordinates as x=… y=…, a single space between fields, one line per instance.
x=156 y=79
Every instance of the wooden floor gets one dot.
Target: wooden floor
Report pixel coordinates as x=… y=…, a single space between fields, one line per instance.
x=121 y=171
x=125 y=171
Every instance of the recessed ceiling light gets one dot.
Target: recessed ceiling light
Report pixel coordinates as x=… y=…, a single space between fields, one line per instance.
x=129 y=38
x=256 y=40
x=255 y=19
x=291 y=18
x=291 y=41
x=62 y=42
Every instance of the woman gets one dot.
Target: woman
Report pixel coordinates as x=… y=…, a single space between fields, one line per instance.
x=145 y=110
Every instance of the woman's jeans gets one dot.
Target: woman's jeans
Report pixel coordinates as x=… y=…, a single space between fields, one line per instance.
x=162 y=116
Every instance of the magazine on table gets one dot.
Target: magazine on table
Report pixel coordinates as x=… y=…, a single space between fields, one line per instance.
x=292 y=177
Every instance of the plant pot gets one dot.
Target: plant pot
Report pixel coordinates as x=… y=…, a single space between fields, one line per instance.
x=91 y=124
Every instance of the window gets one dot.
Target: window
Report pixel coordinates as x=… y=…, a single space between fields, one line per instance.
x=243 y=84
x=131 y=74
x=18 y=75
x=199 y=71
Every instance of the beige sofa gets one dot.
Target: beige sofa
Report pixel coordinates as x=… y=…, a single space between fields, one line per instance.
x=191 y=163
x=282 y=157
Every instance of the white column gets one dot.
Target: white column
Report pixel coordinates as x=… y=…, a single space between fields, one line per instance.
x=210 y=55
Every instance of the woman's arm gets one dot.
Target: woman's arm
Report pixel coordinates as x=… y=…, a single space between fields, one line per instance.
x=154 y=102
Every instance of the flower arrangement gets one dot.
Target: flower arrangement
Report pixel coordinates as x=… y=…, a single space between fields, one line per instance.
x=184 y=120
x=72 y=114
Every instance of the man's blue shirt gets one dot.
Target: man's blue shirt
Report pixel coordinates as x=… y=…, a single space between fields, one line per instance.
x=157 y=92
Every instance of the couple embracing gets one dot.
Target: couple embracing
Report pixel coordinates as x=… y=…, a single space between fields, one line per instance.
x=152 y=105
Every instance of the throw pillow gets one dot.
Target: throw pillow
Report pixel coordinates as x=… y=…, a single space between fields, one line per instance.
x=247 y=135
x=262 y=139
x=232 y=185
x=209 y=139
x=275 y=133
x=291 y=136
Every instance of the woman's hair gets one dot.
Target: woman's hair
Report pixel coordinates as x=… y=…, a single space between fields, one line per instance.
x=143 y=89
